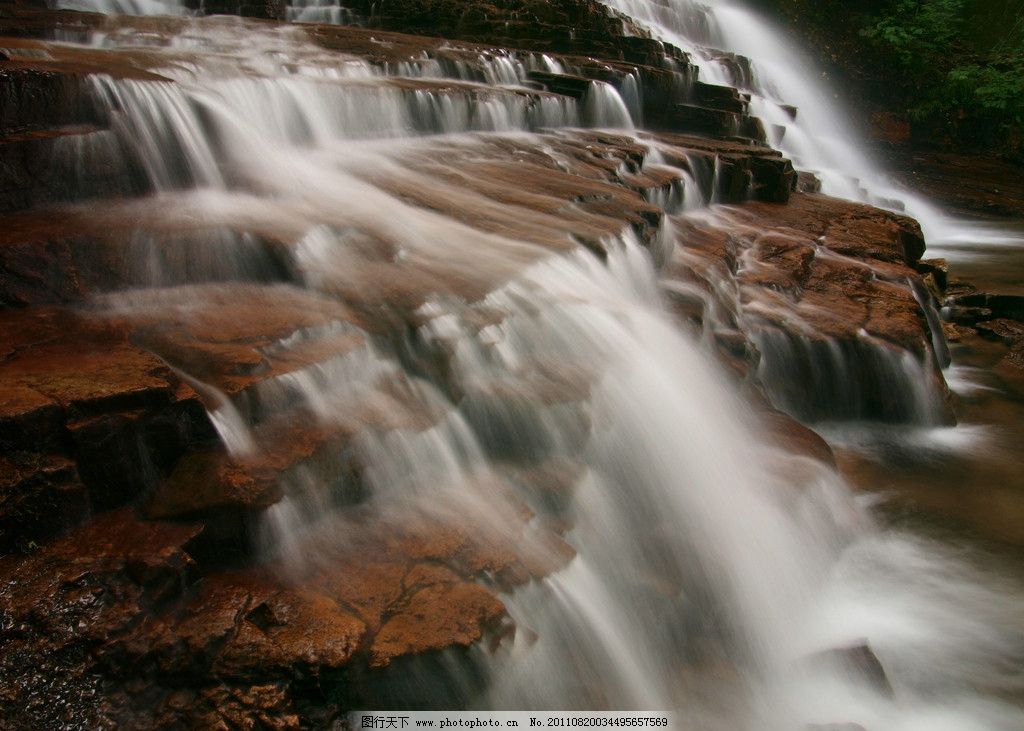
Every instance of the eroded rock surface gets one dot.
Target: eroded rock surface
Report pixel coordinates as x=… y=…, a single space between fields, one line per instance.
x=117 y=620
x=817 y=281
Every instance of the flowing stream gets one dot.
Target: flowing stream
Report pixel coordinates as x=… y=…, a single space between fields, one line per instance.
x=714 y=575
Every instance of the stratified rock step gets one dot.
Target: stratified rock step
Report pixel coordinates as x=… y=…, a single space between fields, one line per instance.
x=712 y=121
x=743 y=170
x=69 y=253
x=565 y=84
x=294 y=454
x=723 y=98
x=35 y=95
x=121 y=600
x=42 y=167
x=816 y=249
x=229 y=336
x=1003 y=306
x=88 y=421
x=825 y=279
x=578 y=27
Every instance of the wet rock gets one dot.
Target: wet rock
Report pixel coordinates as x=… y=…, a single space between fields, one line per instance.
x=743 y=169
x=793 y=436
x=827 y=295
x=965 y=316
x=808 y=182
x=33 y=95
x=120 y=605
x=59 y=602
x=441 y=614
x=115 y=422
x=576 y=27
x=565 y=84
x=229 y=335
x=963 y=307
x=956 y=333
x=66 y=254
x=724 y=98
x=59 y=165
x=1010 y=332
x=841 y=264
x=936 y=276
x=230 y=492
x=704 y=120
x=40 y=496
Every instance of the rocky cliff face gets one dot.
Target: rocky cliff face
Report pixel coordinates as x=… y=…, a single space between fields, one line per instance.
x=134 y=590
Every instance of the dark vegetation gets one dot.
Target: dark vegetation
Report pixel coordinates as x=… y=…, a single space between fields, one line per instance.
x=953 y=69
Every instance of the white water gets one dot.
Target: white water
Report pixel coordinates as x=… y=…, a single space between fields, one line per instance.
x=125 y=7
x=820 y=139
x=710 y=567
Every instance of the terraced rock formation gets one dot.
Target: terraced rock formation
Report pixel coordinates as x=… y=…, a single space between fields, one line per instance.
x=206 y=350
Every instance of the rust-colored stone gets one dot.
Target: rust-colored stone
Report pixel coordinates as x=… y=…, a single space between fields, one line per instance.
x=438 y=616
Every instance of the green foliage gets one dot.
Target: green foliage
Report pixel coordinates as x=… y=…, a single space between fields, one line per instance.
x=997 y=86
x=918 y=32
x=949 y=87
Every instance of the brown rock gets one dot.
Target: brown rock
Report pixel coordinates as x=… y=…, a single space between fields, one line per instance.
x=40 y=496
x=793 y=436
x=438 y=616
x=818 y=279
x=956 y=333
x=1010 y=332
x=118 y=417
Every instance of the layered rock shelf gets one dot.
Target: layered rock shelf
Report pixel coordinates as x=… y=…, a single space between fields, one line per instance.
x=155 y=415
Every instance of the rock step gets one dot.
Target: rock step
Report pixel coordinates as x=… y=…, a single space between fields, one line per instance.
x=69 y=253
x=237 y=643
x=230 y=492
x=233 y=336
x=723 y=98
x=823 y=292
x=86 y=438
x=711 y=121
x=65 y=164
x=41 y=96
x=593 y=186
x=971 y=308
x=565 y=84
x=1010 y=332
x=41 y=495
x=577 y=27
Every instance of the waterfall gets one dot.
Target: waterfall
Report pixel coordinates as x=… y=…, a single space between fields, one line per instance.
x=125 y=7
x=713 y=574
x=604 y=107
x=819 y=138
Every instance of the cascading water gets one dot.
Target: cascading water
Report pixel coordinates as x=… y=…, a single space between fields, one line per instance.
x=714 y=575
x=125 y=7
x=819 y=139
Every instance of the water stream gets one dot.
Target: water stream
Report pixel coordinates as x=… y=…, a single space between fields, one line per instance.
x=714 y=575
